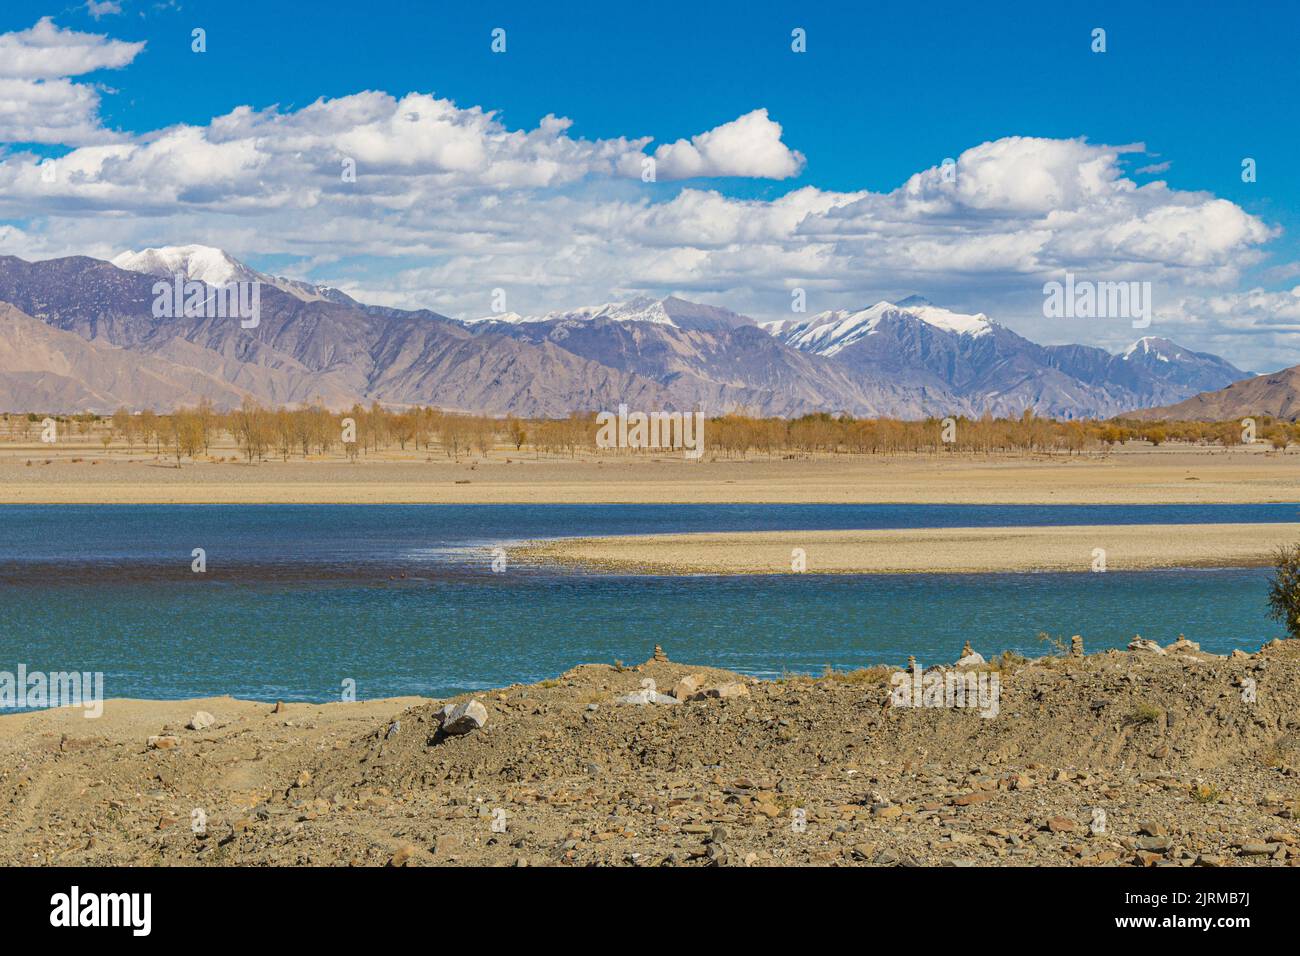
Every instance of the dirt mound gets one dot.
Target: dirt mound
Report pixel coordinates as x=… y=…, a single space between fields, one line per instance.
x=1116 y=710
x=1170 y=758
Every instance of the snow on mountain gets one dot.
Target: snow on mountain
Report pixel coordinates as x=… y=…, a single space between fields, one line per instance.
x=1153 y=347
x=640 y=309
x=514 y=318
x=977 y=324
x=1170 y=361
x=830 y=332
x=217 y=267
x=988 y=365
x=670 y=311
x=201 y=263
x=909 y=358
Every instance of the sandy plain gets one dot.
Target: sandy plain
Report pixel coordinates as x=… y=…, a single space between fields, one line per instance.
x=1140 y=475
x=933 y=550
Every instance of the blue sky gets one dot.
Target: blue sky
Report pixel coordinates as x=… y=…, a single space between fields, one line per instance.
x=884 y=92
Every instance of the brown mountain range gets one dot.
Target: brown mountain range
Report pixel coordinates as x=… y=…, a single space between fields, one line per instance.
x=1276 y=395
x=80 y=334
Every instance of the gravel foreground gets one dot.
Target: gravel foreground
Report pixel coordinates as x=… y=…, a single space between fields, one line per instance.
x=1155 y=757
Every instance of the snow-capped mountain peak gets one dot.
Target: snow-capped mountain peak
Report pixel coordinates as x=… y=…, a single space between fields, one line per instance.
x=830 y=332
x=949 y=321
x=216 y=267
x=516 y=318
x=1171 y=362
x=906 y=359
x=641 y=309
x=201 y=263
x=670 y=311
x=1155 y=347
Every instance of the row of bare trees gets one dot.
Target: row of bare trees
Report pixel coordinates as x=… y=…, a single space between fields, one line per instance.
x=261 y=432
x=733 y=435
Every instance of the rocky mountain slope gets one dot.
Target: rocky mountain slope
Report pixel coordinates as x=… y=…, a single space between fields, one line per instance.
x=303 y=351
x=1277 y=394
x=988 y=367
x=315 y=343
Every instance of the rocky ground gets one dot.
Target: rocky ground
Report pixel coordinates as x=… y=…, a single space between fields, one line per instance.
x=1150 y=757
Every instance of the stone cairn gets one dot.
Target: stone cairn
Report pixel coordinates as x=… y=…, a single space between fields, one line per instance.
x=1076 y=646
x=966 y=650
x=659 y=655
x=911 y=664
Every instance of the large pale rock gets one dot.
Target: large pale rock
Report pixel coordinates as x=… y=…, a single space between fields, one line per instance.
x=686 y=686
x=201 y=720
x=1148 y=647
x=973 y=659
x=1097 y=826
x=648 y=694
x=405 y=853
x=447 y=844
x=722 y=692
x=463 y=718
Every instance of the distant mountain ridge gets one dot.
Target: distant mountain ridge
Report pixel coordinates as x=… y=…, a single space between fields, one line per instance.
x=988 y=367
x=909 y=359
x=671 y=311
x=1276 y=394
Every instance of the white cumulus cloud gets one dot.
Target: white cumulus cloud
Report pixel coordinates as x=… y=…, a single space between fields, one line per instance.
x=448 y=202
x=748 y=146
x=39 y=103
x=45 y=51
x=102 y=8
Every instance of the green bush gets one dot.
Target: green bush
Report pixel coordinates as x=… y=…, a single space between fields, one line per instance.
x=1284 y=589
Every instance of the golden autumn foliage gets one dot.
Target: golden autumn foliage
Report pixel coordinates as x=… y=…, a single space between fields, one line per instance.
x=261 y=432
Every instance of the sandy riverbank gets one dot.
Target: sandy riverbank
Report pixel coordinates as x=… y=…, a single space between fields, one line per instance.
x=1185 y=767
x=1164 y=475
x=935 y=550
